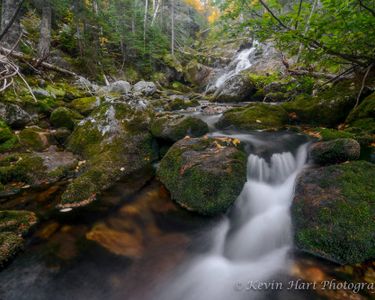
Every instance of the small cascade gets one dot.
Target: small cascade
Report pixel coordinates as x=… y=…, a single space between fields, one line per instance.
x=252 y=242
x=241 y=62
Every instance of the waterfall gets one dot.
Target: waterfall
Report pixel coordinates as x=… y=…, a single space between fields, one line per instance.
x=252 y=242
x=242 y=61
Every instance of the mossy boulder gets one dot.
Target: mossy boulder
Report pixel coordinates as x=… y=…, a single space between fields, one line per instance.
x=204 y=175
x=237 y=88
x=176 y=127
x=14 y=115
x=35 y=138
x=64 y=117
x=181 y=103
x=254 y=116
x=7 y=138
x=13 y=225
x=363 y=116
x=85 y=105
x=116 y=143
x=335 y=151
x=327 y=108
x=333 y=212
x=197 y=73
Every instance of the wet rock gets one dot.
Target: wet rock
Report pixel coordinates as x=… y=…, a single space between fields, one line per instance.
x=335 y=151
x=64 y=117
x=13 y=225
x=176 y=127
x=204 y=175
x=14 y=115
x=197 y=73
x=214 y=110
x=333 y=213
x=235 y=89
x=115 y=141
x=254 y=116
x=145 y=88
x=179 y=103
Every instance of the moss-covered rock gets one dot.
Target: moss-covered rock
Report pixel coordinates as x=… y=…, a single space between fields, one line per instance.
x=254 y=116
x=13 y=225
x=335 y=151
x=176 y=127
x=363 y=116
x=85 y=105
x=34 y=138
x=197 y=74
x=14 y=115
x=204 y=175
x=333 y=212
x=235 y=89
x=115 y=141
x=64 y=117
x=181 y=103
x=7 y=138
x=327 y=108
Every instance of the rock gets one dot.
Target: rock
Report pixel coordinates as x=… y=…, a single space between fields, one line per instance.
x=14 y=115
x=42 y=94
x=115 y=141
x=64 y=117
x=204 y=175
x=179 y=103
x=214 y=110
x=35 y=138
x=176 y=127
x=197 y=74
x=335 y=151
x=13 y=225
x=61 y=135
x=333 y=212
x=363 y=116
x=120 y=87
x=254 y=116
x=327 y=108
x=35 y=169
x=146 y=88
x=85 y=105
x=235 y=89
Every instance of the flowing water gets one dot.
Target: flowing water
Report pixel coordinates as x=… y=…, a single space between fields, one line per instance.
x=242 y=61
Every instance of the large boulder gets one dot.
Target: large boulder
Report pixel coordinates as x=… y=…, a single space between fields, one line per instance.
x=13 y=225
x=146 y=88
x=254 y=116
x=327 y=108
x=197 y=74
x=14 y=115
x=335 y=151
x=363 y=116
x=115 y=141
x=204 y=175
x=175 y=127
x=333 y=212
x=237 y=88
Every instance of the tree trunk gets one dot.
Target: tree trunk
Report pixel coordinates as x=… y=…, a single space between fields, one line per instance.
x=173 y=35
x=9 y=9
x=45 y=31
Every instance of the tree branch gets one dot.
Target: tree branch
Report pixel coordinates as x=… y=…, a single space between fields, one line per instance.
x=366 y=7
x=298 y=15
x=363 y=84
x=273 y=15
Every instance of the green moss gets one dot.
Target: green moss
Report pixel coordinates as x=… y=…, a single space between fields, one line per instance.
x=10 y=244
x=179 y=104
x=341 y=228
x=31 y=138
x=197 y=185
x=85 y=105
x=363 y=116
x=64 y=117
x=327 y=108
x=176 y=128
x=54 y=90
x=25 y=168
x=254 y=116
x=328 y=134
x=8 y=140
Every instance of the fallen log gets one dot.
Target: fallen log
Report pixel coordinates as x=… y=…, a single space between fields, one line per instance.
x=34 y=61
